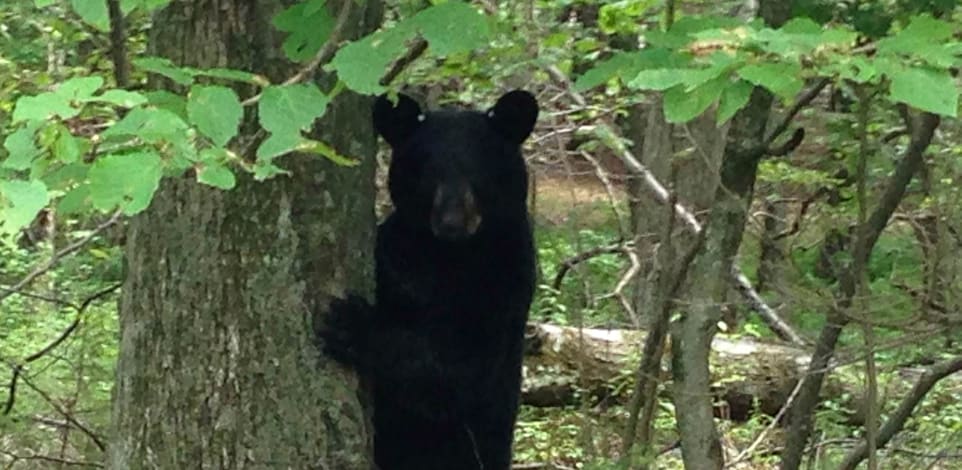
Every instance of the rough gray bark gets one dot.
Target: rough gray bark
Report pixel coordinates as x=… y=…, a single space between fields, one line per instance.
x=217 y=365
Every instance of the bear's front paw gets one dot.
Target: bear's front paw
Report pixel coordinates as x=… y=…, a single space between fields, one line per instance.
x=343 y=326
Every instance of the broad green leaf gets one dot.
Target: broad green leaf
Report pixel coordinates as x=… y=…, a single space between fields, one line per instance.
x=80 y=88
x=126 y=6
x=127 y=181
x=452 y=27
x=162 y=66
x=44 y=3
x=926 y=89
x=20 y=202
x=75 y=201
x=217 y=176
x=734 y=97
x=683 y=106
x=42 y=107
x=288 y=109
x=169 y=101
x=21 y=148
x=66 y=176
x=213 y=172
x=67 y=148
x=922 y=31
x=150 y=124
x=216 y=111
x=122 y=98
x=782 y=79
x=308 y=25
x=93 y=12
x=361 y=64
x=627 y=65
x=320 y=148
x=278 y=144
x=658 y=79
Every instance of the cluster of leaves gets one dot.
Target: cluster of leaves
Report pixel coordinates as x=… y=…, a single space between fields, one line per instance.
x=142 y=136
x=701 y=61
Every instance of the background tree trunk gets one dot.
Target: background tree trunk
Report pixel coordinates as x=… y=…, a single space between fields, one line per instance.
x=217 y=365
x=709 y=274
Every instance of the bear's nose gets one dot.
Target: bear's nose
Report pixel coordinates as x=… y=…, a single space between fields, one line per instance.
x=454 y=215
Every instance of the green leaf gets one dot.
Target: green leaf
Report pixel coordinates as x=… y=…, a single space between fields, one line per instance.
x=308 y=25
x=93 y=12
x=627 y=65
x=452 y=27
x=150 y=124
x=782 y=79
x=169 y=101
x=128 y=181
x=216 y=111
x=734 y=97
x=217 y=176
x=80 y=88
x=277 y=145
x=926 y=89
x=320 y=148
x=21 y=148
x=21 y=202
x=161 y=66
x=683 y=106
x=122 y=98
x=67 y=148
x=658 y=79
x=288 y=109
x=75 y=201
x=42 y=107
x=44 y=3
x=213 y=172
x=361 y=64
x=922 y=30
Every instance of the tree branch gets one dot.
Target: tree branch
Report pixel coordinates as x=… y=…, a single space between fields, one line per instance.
x=904 y=411
x=52 y=262
x=804 y=100
x=323 y=55
x=17 y=369
x=661 y=194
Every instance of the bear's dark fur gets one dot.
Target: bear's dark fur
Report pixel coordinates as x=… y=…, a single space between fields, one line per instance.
x=455 y=277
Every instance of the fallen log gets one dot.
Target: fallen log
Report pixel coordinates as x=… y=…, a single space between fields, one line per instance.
x=561 y=363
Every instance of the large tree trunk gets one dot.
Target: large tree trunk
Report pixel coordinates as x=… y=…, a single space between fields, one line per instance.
x=217 y=365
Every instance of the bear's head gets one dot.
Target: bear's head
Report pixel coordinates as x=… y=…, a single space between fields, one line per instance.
x=457 y=173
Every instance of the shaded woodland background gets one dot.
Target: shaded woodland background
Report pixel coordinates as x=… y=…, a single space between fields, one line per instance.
x=832 y=214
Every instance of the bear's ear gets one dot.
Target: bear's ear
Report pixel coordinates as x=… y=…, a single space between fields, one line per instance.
x=396 y=122
x=514 y=115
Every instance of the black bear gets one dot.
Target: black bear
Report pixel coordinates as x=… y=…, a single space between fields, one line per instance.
x=455 y=277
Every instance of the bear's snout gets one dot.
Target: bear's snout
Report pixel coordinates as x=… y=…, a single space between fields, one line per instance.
x=454 y=213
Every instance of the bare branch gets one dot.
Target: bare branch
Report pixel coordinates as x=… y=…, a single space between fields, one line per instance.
x=904 y=411
x=662 y=195
x=414 y=52
x=324 y=54
x=803 y=100
x=17 y=369
x=55 y=259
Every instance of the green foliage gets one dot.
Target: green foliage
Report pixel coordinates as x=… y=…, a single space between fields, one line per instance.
x=914 y=64
x=146 y=136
